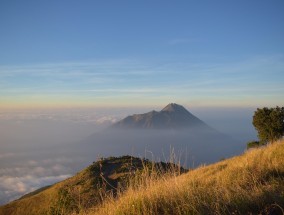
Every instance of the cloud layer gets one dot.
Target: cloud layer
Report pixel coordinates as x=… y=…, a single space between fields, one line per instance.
x=28 y=175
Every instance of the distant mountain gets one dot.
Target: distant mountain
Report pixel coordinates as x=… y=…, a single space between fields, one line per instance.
x=157 y=133
x=87 y=188
x=173 y=116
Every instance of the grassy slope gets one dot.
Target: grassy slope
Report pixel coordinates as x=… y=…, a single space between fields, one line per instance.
x=250 y=183
x=85 y=189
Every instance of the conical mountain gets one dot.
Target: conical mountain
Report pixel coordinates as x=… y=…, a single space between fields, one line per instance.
x=173 y=107
x=173 y=116
x=157 y=132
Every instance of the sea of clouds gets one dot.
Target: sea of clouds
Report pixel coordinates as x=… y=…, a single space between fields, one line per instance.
x=29 y=140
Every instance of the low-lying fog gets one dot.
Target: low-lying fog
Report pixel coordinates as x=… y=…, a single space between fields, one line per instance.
x=39 y=148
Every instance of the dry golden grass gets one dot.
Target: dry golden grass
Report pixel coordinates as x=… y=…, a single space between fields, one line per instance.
x=88 y=188
x=250 y=183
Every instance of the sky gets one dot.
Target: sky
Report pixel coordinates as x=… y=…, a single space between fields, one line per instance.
x=141 y=53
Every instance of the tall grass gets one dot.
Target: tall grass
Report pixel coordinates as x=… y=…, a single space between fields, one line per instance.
x=251 y=183
x=133 y=175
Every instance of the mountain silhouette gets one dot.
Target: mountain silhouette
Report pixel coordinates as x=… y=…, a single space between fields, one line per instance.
x=173 y=116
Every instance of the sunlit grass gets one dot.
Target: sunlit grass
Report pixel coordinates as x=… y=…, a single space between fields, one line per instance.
x=251 y=183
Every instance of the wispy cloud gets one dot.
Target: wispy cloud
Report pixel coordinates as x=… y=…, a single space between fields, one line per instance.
x=128 y=78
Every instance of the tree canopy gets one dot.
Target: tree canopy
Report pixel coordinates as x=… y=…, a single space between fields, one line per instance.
x=269 y=123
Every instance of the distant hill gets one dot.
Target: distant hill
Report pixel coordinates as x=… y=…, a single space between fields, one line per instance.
x=86 y=189
x=173 y=116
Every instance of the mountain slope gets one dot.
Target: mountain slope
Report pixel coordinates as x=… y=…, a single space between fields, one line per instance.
x=173 y=116
x=87 y=188
x=252 y=183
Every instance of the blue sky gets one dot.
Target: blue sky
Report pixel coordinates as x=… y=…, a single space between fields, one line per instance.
x=137 y=53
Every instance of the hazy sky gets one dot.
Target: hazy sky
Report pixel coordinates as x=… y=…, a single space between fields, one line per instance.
x=124 y=53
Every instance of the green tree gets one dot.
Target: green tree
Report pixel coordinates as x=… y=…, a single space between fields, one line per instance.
x=269 y=123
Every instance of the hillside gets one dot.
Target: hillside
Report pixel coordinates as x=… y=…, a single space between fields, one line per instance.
x=252 y=183
x=86 y=189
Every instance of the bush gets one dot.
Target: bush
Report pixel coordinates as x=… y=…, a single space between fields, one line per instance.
x=253 y=144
